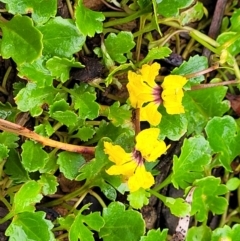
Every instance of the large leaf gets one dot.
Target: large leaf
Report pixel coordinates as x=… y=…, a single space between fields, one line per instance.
x=224 y=137
x=61 y=37
x=41 y=10
x=195 y=154
x=201 y=105
x=121 y=224
x=30 y=226
x=22 y=44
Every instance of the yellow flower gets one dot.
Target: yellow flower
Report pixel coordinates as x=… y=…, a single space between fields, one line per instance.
x=145 y=94
x=131 y=165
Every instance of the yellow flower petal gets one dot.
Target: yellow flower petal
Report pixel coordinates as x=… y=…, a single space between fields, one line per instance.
x=149 y=145
x=173 y=82
x=116 y=153
x=126 y=169
x=174 y=108
x=150 y=113
x=149 y=73
x=141 y=178
x=139 y=92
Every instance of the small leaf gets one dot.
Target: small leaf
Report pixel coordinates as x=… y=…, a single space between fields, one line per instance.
x=226 y=233
x=61 y=37
x=92 y=20
x=79 y=231
x=195 y=154
x=193 y=65
x=36 y=72
x=224 y=138
x=233 y=183
x=172 y=126
x=14 y=168
x=28 y=37
x=33 y=156
x=26 y=197
x=49 y=183
x=201 y=105
x=8 y=112
x=139 y=198
x=121 y=224
x=118 y=45
x=70 y=163
x=84 y=97
x=9 y=139
x=156 y=53
x=32 y=98
x=171 y=8
x=85 y=133
x=119 y=115
x=178 y=206
x=30 y=226
x=235 y=20
x=3 y=152
x=201 y=233
x=61 y=112
x=155 y=235
x=206 y=198
x=41 y=10
x=60 y=67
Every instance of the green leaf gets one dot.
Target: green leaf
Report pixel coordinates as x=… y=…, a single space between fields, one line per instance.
x=60 y=67
x=28 y=37
x=84 y=97
x=61 y=37
x=49 y=183
x=8 y=112
x=33 y=156
x=3 y=152
x=139 y=198
x=88 y=21
x=9 y=139
x=118 y=45
x=232 y=41
x=178 y=207
x=26 y=197
x=30 y=226
x=193 y=65
x=156 y=53
x=172 y=126
x=224 y=136
x=36 y=72
x=70 y=163
x=60 y=111
x=235 y=20
x=119 y=115
x=195 y=154
x=201 y=233
x=206 y=198
x=226 y=233
x=79 y=231
x=171 y=8
x=41 y=10
x=85 y=133
x=201 y=105
x=32 y=98
x=121 y=224
x=154 y=235
x=233 y=183
x=14 y=168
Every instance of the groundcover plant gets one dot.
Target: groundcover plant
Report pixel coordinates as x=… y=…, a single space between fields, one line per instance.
x=119 y=120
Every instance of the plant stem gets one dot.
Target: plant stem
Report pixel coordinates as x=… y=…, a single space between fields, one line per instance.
x=164 y=183
x=20 y=130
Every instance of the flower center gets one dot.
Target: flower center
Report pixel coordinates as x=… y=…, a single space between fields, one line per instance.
x=138 y=157
x=157 y=92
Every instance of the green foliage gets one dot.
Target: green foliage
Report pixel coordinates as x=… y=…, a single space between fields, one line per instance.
x=155 y=235
x=115 y=228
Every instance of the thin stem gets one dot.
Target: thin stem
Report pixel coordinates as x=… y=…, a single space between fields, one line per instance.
x=163 y=184
x=70 y=8
x=98 y=198
x=203 y=86
x=20 y=130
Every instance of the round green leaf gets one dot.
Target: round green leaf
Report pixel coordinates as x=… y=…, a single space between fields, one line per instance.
x=23 y=44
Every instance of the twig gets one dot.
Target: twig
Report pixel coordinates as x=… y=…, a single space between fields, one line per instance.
x=20 y=130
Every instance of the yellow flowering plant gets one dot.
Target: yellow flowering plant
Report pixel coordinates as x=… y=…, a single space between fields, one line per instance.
x=131 y=165
x=147 y=95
